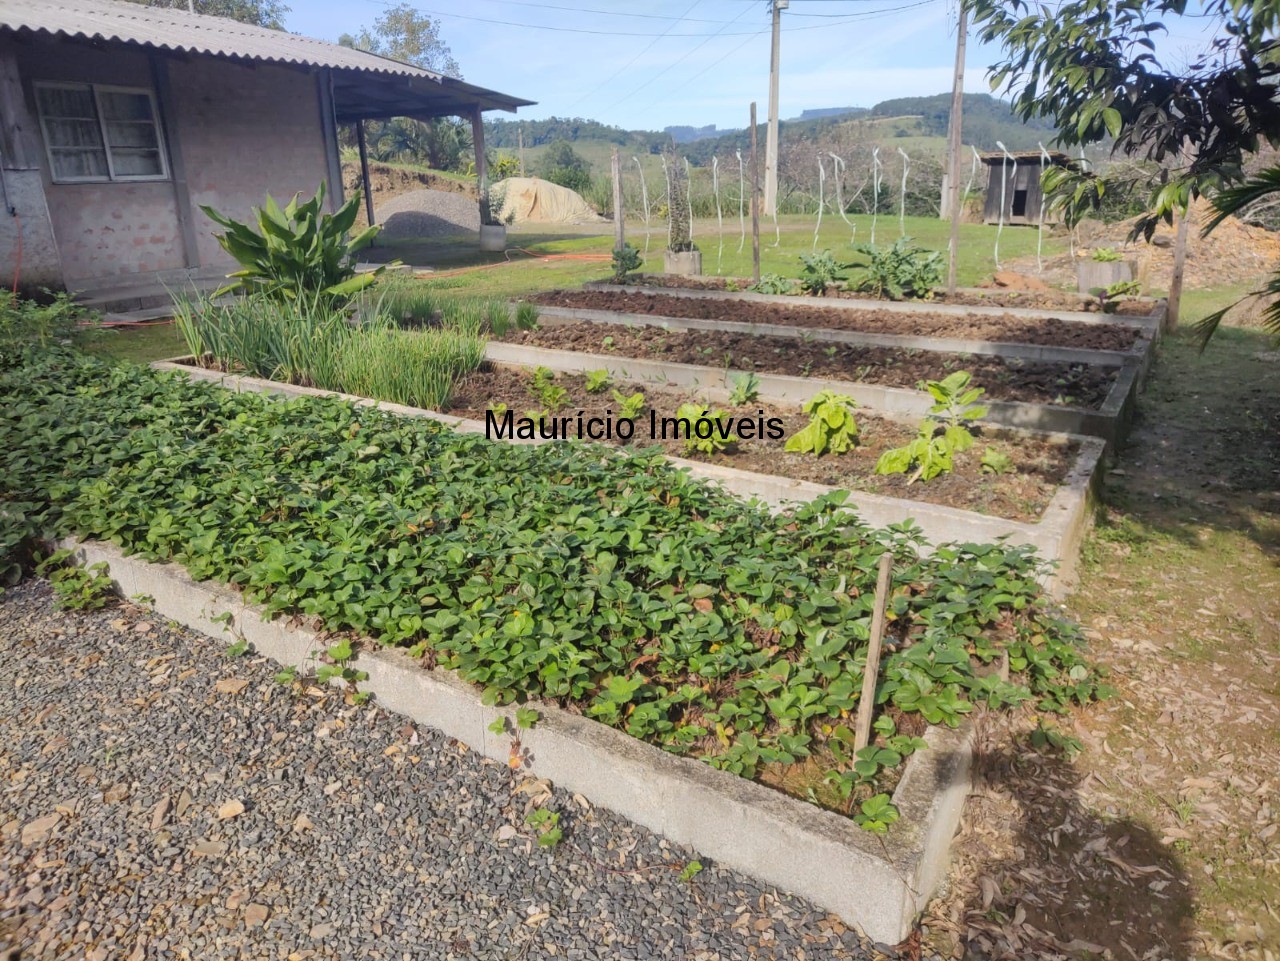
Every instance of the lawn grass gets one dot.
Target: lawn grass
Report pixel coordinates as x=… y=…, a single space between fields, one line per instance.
x=136 y=344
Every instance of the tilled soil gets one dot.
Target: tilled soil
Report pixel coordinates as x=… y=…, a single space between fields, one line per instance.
x=994 y=297
x=1074 y=385
x=1040 y=466
x=1011 y=330
x=162 y=801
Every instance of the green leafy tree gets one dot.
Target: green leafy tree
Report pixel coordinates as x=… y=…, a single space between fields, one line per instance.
x=1094 y=68
x=562 y=165
x=404 y=34
x=260 y=13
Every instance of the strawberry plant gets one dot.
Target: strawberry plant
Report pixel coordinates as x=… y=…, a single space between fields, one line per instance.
x=77 y=588
x=831 y=425
x=552 y=395
x=615 y=586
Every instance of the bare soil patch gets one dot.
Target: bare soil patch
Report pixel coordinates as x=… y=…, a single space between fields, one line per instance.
x=1023 y=495
x=1052 y=333
x=1076 y=385
x=995 y=297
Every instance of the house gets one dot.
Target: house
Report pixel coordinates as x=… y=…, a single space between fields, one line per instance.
x=1021 y=194
x=118 y=121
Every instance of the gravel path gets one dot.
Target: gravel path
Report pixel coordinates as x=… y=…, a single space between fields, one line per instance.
x=161 y=800
x=428 y=213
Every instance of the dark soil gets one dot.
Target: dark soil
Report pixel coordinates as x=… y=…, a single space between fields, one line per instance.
x=1013 y=330
x=995 y=297
x=1075 y=385
x=1040 y=466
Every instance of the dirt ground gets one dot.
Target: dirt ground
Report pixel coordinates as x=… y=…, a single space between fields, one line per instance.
x=810 y=313
x=1021 y=493
x=387 y=182
x=1077 y=385
x=1162 y=838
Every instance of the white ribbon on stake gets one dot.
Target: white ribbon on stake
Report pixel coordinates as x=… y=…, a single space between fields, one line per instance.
x=742 y=202
x=837 y=168
x=688 y=176
x=1005 y=175
x=902 y=202
x=973 y=172
x=822 y=179
x=644 y=199
x=875 y=189
x=715 y=187
x=666 y=172
x=1044 y=165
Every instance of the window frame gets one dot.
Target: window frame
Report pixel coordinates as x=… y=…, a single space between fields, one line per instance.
x=95 y=90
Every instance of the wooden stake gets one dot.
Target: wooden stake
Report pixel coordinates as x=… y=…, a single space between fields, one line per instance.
x=755 y=201
x=1174 y=306
x=867 y=703
x=619 y=226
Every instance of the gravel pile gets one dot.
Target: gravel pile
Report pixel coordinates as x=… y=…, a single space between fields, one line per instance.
x=162 y=800
x=428 y=213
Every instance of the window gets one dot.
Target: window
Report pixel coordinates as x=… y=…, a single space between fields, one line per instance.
x=99 y=133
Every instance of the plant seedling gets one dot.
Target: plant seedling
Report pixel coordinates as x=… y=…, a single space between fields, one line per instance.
x=552 y=395
x=625 y=261
x=819 y=272
x=597 y=381
x=746 y=389
x=944 y=432
x=996 y=462
x=691 y=871
x=876 y=814
x=831 y=425
x=715 y=441
x=77 y=588
x=547 y=825
x=629 y=405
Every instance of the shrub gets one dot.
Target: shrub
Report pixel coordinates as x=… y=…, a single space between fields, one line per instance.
x=625 y=261
x=944 y=432
x=820 y=271
x=1106 y=255
x=901 y=270
x=772 y=284
x=27 y=323
x=297 y=251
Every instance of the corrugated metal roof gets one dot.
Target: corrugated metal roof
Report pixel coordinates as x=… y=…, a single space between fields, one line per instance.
x=115 y=21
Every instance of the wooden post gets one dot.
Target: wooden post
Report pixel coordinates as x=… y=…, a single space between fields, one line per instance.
x=619 y=219
x=364 y=171
x=1174 y=306
x=954 y=141
x=867 y=702
x=520 y=134
x=755 y=201
x=482 y=167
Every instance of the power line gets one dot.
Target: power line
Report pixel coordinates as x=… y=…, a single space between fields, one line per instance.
x=608 y=13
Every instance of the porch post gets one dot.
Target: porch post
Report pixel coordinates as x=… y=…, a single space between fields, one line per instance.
x=364 y=170
x=482 y=168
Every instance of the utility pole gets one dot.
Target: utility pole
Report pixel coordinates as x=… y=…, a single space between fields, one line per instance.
x=954 y=133
x=771 y=141
x=619 y=220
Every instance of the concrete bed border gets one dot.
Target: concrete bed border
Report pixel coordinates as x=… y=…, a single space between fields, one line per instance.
x=1057 y=534
x=878 y=885
x=1110 y=422
x=1151 y=323
x=1038 y=353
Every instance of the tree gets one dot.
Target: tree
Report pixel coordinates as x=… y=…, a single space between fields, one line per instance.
x=260 y=13
x=562 y=165
x=1092 y=66
x=404 y=34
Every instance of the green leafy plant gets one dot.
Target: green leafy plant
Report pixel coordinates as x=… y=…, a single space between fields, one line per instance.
x=526 y=315
x=297 y=251
x=997 y=462
x=598 y=381
x=339 y=668
x=629 y=405
x=690 y=871
x=819 y=272
x=1047 y=735
x=547 y=826
x=625 y=261
x=77 y=588
x=526 y=717
x=552 y=395
x=26 y=323
x=831 y=426
x=772 y=284
x=693 y=414
x=876 y=814
x=745 y=389
x=899 y=271
x=1106 y=255
x=944 y=433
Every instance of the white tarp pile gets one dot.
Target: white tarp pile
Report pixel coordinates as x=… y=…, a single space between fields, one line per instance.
x=531 y=200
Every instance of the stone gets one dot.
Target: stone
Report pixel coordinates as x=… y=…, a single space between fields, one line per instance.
x=160 y=813
x=36 y=831
x=230 y=685
x=232 y=809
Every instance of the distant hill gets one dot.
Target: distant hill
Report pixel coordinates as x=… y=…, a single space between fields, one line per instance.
x=690 y=134
x=824 y=112
x=986 y=120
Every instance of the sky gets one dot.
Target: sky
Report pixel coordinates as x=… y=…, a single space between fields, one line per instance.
x=650 y=64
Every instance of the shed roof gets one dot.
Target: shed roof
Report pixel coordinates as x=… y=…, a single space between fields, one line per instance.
x=365 y=85
x=1021 y=156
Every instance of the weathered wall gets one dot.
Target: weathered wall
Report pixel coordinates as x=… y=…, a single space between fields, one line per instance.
x=245 y=132
x=233 y=133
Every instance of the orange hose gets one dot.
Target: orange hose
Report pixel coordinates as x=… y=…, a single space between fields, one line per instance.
x=584 y=258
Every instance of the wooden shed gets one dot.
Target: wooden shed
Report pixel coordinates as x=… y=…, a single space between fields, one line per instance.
x=1021 y=192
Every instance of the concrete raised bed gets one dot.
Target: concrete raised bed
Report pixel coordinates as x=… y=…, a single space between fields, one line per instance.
x=1039 y=353
x=1057 y=535
x=879 y=885
x=1110 y=422
x=1151 y=322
